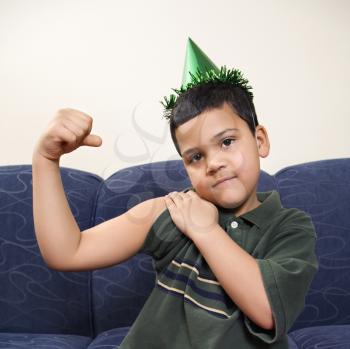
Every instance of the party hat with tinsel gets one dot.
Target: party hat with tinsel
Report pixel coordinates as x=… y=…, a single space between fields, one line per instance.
x=196 y=60
x=200 y=69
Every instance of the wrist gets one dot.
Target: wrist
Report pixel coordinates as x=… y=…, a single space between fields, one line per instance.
x=39 y=159
x=201 y=234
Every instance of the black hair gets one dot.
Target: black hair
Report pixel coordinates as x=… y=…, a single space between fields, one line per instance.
x=210 y=95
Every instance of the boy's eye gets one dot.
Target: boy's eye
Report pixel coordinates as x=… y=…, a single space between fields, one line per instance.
x=195 y=157
x=228 y=141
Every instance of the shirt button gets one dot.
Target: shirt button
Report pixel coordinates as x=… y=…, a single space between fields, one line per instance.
x=234 y=225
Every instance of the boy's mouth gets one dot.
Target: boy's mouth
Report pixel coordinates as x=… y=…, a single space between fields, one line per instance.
x=222 y=180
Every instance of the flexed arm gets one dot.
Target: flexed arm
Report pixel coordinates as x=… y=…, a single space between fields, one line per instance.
x=61 y=243
x=57 y=232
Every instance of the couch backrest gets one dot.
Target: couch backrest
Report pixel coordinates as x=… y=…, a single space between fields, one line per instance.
x=33 y=297
x=320 y=188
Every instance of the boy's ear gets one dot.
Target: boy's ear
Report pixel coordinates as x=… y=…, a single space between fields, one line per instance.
x=263 y=142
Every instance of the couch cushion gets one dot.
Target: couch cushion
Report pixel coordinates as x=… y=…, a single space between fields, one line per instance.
x=42 y=341
x=337 y=337
x=33 y=297
x=109 y=339
x=308 y=338
x=119 y=292
x=322 y=189
x=291 y=343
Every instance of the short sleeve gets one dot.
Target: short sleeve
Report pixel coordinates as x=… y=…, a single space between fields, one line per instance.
x=163 y=241
x=287 y=271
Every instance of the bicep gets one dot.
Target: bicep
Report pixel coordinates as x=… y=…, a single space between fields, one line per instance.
x=117 y=239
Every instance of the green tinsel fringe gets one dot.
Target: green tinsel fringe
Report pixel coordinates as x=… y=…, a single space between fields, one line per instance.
x=231 y=76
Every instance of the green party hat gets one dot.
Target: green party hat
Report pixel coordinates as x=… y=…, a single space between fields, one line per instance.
x=196 y=60
x=200 y=69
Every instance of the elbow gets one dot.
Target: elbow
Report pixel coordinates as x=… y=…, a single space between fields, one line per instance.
x=56 y=262
x=265 y=321
x=54 y=265
x=269 y=323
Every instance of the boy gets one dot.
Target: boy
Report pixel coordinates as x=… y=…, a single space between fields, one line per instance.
x=233 y=266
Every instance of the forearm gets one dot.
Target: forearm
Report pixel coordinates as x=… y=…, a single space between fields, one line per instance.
x=56 y=230
x=238 y=273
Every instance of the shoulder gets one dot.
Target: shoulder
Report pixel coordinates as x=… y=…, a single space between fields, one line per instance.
x=290 y=235
x=146 y=212
x=151 y=209
x=158 y=204
x=161 y=218
x=294 y=219
x=163 y=235
x=295 y=216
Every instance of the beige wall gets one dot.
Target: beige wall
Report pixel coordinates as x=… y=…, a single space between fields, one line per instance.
x=116 y=59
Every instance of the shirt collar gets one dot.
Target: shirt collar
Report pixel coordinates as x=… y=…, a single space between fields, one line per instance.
x=270 y=204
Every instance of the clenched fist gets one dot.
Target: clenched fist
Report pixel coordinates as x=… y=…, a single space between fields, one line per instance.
x=68 y=130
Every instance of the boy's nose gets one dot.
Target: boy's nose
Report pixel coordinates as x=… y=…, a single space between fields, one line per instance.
x=215 y=163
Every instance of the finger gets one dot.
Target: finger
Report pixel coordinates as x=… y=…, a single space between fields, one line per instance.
x=81 y=118
x=92 y=141
x=74 y=112
x=83 y=122
x=169 y=203
x=182 y=195
x=186 y=197
x=66 y=135
x=73 y=127
x=177 y=199
x=191 y=193
x=173 y=194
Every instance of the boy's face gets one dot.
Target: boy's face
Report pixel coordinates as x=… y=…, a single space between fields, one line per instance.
x=221 y=157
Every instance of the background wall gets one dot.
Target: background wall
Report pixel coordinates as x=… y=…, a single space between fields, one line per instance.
x=116 y=59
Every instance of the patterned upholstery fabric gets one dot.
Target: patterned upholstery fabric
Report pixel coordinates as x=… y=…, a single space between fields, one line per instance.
x=322 y=189
x=34 y=298
x=42 y=341
x=41 y=307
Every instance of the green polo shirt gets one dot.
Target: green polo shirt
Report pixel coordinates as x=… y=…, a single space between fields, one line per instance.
x=188 y=308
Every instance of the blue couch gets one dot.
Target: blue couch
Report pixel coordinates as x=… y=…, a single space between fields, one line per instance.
x=45 y=308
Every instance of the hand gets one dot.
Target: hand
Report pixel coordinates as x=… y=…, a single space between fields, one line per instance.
x=190 y=213
x=69 y=130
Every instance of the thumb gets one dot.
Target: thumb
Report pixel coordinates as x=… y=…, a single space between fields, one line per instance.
x=92 y=141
